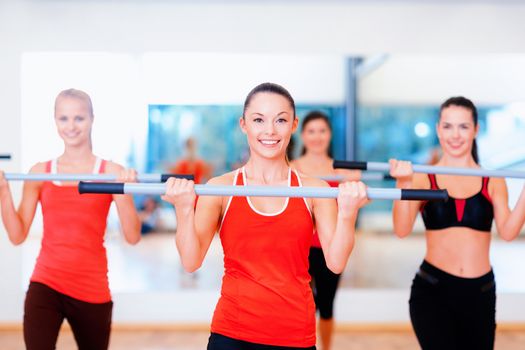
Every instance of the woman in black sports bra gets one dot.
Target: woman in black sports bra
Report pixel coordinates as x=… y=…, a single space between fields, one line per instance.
x=453 y=296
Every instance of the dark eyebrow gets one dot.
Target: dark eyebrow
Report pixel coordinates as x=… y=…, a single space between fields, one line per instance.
x=262 y=115
x=465 y=123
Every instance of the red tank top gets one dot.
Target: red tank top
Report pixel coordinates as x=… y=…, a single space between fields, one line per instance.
x=72 y=257
x=195 y=168
x=316 y=243
x=266 y=296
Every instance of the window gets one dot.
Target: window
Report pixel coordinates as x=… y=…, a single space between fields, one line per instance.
x=218 y=135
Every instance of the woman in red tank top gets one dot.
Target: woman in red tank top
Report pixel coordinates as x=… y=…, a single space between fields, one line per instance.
x=70 y=277
x=191 y=164
x=316 y=160
x=266 y=300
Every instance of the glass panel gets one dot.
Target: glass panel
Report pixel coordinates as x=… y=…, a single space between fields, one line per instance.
x=218 y=135
x=403 y=132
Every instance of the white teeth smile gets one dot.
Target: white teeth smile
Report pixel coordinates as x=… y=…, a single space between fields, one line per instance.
x=269 y=142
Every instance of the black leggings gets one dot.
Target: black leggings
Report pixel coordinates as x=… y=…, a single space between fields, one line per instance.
x=221 y=342
x=324 y=283
x=45 y=310
x=453 y=313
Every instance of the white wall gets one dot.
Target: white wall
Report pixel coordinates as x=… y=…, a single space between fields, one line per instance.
x=122 y=85
x=428 y=79
x=135 y=27
x=10 y=257
x=222 y=78
x=112 y=81
x=328 y=27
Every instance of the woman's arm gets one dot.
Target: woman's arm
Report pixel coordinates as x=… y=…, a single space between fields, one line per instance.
x=127 y=213
x=335 y=222
x=196 y=226
x=508 y=223
x=404 y=213
x=18 y=222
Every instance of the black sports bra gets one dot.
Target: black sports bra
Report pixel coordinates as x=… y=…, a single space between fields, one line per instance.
x=475 y=212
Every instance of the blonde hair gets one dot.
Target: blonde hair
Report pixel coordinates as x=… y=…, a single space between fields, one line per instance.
x=78 y=94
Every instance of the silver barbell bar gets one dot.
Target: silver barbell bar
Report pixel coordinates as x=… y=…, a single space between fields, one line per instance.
x=145 y=178
x=261 y=191
x=430 y=169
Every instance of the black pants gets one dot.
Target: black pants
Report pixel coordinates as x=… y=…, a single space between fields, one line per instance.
x=45 y=310
x=453 y=313
x=221 y=342
x=324 y=283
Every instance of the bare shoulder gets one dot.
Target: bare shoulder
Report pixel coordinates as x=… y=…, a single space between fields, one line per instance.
x=497 y=185
x=421 y=181
x=222 y=180
x=38 y=168
x=225 y=179
x=497 y=181
x=310 y=181
x=112 y=167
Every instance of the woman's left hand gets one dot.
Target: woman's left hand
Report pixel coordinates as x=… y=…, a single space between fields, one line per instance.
x=127 y=175
x=352 y=196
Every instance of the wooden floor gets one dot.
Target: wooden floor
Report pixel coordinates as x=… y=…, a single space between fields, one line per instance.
x=163 y=340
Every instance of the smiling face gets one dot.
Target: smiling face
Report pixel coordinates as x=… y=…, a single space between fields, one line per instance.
x=456 y=131
x=316 y=136
x=268 y=123
x=74 y=120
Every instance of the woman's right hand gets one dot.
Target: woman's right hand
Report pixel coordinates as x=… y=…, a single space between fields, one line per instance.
x=352 y=197
x=180 y=193
x=402 y=171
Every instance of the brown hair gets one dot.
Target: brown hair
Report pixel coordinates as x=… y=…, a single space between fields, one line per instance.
x=317 y=115
x=269 y=88
x=461 y=101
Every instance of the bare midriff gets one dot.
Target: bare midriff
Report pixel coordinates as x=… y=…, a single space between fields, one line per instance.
x=459 y=251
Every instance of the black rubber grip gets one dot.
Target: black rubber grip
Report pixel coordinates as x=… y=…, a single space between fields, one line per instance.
x=101 y=187
x=165 y=177
x=388 y=177
x=5 y=156
x=424 y=195
x=349 y=164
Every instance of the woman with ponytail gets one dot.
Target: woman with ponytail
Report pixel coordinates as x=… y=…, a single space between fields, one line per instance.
x=70 y=278
x=453 y=296
x=266 y=301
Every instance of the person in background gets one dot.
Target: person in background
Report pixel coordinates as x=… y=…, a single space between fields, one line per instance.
x=191 y=164
x=70 y=278
x=453 y=295
x=316 y=161
x=149 y=215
